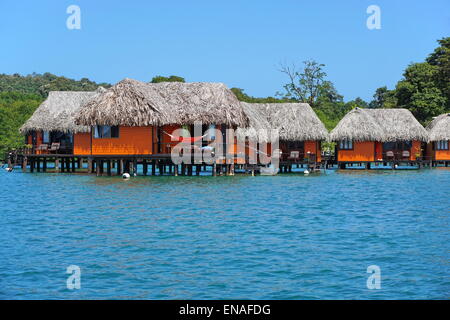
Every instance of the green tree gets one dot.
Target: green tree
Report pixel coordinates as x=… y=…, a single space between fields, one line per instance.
x=440 y=58
x=305 y=84
x=419 y=92
x=242 y=96
x=383 y=98
x=158 y=79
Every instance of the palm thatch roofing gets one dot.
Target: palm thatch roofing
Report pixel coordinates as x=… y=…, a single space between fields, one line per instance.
x=135 y=103
x=382 y=125
x=57 y=112
x=439 y=128
x=294 y=122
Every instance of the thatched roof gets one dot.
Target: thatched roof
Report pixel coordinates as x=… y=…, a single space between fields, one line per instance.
x=294 y=121
x=379 y=125
x=439 y=128
x=57 y=112
x=259 y=126
x=134 y=103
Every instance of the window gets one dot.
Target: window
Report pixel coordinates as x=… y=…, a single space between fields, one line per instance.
x=45 y=137
x=442 y=145
x=106 y=132
x=346 y=144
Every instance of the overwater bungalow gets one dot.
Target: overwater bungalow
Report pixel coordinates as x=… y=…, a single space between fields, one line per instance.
x=378 y=135
x=300 y=130
x=138 y=118
x=439 y=139
x=51 y=128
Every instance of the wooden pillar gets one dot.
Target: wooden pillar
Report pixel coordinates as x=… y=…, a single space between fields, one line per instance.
x=67 y=164
x=97 y=167
x=108 y=167
x=24 y=164
x=31 y=165
x=214 y=170
x=134 y=166
x=144 y=167
x=368 y=165
x=175 y=170
x=38 y=164
x=197 y=169
x=56 y=165
x=120 y=167
x=153 y=167
x=73 y=164
x=89 y=165
x=189 y=169
x=44 y=165
x=170 y=169
x=342 y=165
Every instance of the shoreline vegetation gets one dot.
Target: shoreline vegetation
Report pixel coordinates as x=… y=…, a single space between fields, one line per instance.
x=424 y=90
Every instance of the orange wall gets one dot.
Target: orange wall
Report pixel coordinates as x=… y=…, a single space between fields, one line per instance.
x=82 y=143
x=442 y=155
x=132 y=140
x=39 y=142
x=313 y=147
x=362 y=151
x=416 y=148
x=167 y=143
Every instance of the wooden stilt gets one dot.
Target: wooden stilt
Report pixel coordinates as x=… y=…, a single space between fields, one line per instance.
x=38 y=164
x=24 y=164
x=175 y=169
x=56 y=165
x=89 y=165
x=73 y=164
x=153 y=167
x=44 y=165
x=135 y=167
x=108 y=167
x=97 y=167
x=144 y=167
x=214 y=170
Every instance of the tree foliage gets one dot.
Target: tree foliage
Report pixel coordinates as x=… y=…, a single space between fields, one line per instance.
x=424 y=88
x=15 y=109
x=158 y=79
x=21 y=95
x=41 y=84
x=242 y=96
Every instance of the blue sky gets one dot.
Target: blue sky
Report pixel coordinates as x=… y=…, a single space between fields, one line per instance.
x=240 y=43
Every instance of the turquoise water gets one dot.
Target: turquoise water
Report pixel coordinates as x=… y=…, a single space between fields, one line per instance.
x=283 y=237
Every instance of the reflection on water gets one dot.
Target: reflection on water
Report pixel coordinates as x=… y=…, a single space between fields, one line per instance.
x=284 y=237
